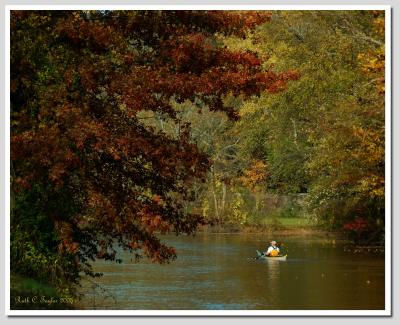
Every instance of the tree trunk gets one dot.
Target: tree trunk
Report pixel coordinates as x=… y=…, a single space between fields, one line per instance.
x=294 y=131
x=223 y=199
x=213 y=190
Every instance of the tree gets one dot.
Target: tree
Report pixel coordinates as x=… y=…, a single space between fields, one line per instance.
x=349 y=187
x=89 y=173
x=324 y=136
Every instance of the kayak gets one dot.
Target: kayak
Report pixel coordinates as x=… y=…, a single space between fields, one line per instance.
x=275 y=258
x=271 y=258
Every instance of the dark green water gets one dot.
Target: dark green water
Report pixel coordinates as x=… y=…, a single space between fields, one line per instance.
x=216 y=271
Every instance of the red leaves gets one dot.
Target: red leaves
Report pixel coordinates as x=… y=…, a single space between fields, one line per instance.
x=68 y=77
x=154 y=223
x=358 y=225
x=56 y=173
x=158 y=252
x=46 y=152
x=81 y=134
x=234 y=60
x=158 y=199
x=87 y=77
x=65 y=233
x=21 y=183
x=188 y=52
x=289 y=75
x=232 y=22
x=77 y=30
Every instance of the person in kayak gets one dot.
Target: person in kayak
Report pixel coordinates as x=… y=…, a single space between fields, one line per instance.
x=272 y=250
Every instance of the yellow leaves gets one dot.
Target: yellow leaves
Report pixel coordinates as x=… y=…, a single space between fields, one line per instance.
x=122 y=107
x=372 y=148
x=255 y=175
x=373 y=61
x=77 y=15
x=368 y=135
x=373 y=186
x=249 y=108
x=238 y=44
x=258 y=105
x=381 y=86
x=379 y=25
x=239 y=214
x=358 y=131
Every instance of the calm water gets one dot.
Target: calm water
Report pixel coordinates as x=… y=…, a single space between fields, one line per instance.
x=216 y=271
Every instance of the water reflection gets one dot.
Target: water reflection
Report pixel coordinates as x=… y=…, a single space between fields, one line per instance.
x=218 y=272
x=273 y=276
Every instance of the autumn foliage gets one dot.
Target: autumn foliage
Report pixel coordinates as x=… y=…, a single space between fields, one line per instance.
x=84 y=163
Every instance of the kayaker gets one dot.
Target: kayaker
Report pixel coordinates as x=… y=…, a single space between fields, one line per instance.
x=272 y=250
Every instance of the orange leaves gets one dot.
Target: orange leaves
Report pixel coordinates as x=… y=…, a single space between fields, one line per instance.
x=68 y=77
x=46 y=151
x=237 y=60
x=256 y=175
x=158 y=200
x=101 y=205
x=21 y=183
x=379 y=25
x=373 y=62
x=158 y=252
x=85 y=130
x=56 y=173
x=371 y=148
x=77 y=30
x=13 y=85
x=70 y=156
x=65 y=233
x=289 y=75
x=277 y=86
x=153 y=222
x=370 y=151
x=114 y=153
x=134 y=245
x=189 y=49
x=195 y=53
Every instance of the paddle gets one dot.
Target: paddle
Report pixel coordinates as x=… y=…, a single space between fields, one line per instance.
x=259 y=254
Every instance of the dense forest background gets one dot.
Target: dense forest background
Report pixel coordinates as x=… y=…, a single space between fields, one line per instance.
x=127 y=125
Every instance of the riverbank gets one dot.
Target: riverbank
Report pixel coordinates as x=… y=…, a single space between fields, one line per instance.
x=232 y=229
x=312 y=232
x=278 y=226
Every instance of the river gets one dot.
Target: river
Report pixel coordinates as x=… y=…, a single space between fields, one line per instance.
x=218 y=271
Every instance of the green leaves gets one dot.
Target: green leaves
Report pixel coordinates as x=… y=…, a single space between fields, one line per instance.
x=324 y=135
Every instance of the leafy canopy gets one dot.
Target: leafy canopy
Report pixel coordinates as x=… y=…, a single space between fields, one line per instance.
x=88 y=173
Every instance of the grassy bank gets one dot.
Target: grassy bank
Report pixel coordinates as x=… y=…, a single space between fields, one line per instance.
x=27 y=293
x=293 y=226
x=280 y=225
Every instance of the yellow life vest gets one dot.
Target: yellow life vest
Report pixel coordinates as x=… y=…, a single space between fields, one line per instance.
x=274 y=253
